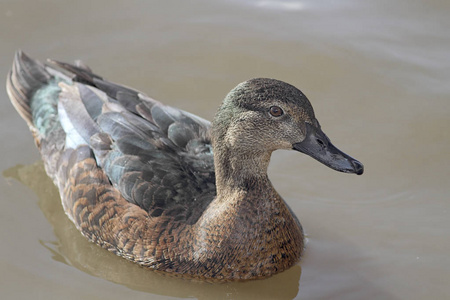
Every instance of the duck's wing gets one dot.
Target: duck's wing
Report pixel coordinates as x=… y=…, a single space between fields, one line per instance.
x=158 y=157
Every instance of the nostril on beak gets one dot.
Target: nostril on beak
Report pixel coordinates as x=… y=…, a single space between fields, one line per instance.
x=321 y=143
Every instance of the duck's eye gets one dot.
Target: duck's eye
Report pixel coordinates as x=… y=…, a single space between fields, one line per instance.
x=276 y=111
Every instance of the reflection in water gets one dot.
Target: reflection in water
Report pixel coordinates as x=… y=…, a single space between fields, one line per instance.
x=73 y=249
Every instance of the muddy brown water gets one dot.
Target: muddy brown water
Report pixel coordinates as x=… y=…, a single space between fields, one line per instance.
x=377 y=74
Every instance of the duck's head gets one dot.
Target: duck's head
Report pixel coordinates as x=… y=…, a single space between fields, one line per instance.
x=262 y=115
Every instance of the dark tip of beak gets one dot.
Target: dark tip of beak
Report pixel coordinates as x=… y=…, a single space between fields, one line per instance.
x=359 y=168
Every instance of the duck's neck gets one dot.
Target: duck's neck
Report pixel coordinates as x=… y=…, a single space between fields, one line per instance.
x=238 y=170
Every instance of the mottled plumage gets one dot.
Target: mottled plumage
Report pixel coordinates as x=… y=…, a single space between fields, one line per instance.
x=140 y=178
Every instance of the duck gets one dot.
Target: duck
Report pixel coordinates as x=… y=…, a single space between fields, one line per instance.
x=167 y=189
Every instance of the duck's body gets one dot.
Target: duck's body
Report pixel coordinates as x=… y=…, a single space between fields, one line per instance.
x=140 y=178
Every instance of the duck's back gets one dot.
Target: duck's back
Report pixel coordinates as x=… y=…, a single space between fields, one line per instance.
x=122 y=161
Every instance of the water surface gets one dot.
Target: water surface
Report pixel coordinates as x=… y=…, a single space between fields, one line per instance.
x=377 y=74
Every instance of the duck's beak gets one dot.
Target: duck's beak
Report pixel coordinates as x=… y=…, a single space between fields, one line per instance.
x=318 y=146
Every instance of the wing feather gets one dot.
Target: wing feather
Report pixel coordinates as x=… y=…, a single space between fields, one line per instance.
x=158 y=157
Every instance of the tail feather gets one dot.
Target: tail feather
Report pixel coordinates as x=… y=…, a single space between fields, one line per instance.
x=24 y=79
